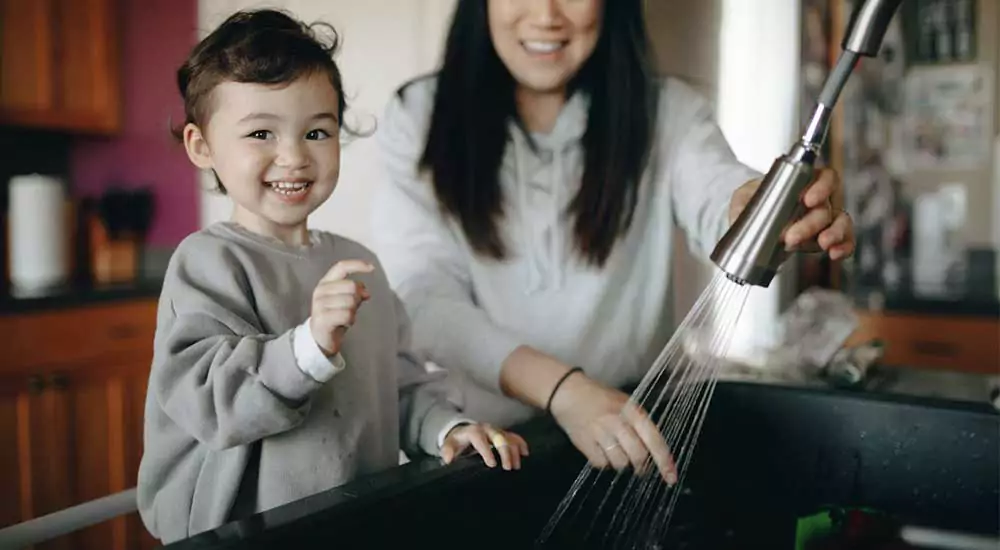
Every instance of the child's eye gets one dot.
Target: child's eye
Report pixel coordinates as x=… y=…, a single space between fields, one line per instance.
x=317 y=134
x=259 y=134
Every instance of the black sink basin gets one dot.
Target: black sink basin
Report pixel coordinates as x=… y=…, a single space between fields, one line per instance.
x=767 y=455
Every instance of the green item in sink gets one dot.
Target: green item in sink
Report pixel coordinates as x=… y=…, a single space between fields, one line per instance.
x=816 y=526
x=836 y=527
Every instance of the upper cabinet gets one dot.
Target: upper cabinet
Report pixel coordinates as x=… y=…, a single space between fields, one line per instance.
x=60 y=66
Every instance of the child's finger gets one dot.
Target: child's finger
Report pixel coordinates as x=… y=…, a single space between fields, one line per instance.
x=344 y=268
x=448 y=451
x=506 y=456
x=340 y=287
x=482 y=446
x=336 y=301
x=336 y=317
x=503 y=447
x=518 y=442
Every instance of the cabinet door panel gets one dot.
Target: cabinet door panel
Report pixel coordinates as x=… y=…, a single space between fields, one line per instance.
x=45 y=456
x=10 y=470
x=26 y=52
x=71 y=411
x=61 y=66
x=92 y=429
x=87 y=73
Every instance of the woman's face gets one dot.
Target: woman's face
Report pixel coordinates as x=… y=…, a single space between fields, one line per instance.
x=544 y=43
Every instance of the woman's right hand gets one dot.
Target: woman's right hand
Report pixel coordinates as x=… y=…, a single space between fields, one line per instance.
x=608 y=428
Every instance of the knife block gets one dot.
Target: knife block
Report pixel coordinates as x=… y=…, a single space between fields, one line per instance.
x=112 y=260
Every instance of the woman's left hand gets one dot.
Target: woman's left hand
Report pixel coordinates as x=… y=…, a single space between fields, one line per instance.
x=824 y=226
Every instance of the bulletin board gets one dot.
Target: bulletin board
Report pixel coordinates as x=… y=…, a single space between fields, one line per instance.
x=919 y=116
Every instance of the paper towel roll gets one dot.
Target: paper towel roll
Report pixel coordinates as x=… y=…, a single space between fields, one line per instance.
x=38 y=237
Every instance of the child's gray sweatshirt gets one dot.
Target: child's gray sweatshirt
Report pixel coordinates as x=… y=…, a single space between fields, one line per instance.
x=243 y=412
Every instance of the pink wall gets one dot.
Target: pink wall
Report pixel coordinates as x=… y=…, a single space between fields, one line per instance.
x=157 y=36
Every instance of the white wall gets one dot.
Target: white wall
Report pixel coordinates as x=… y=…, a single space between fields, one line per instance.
x=743 y=55
x=757 y=106
x=996 y=141
x=385 y=43
x=685 y=38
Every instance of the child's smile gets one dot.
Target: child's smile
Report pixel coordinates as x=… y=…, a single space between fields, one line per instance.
x=290 y=191
x=276 y=150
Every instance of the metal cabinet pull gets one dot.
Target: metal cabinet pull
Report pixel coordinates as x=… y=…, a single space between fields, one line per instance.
x=59 y=381
x=36 y=383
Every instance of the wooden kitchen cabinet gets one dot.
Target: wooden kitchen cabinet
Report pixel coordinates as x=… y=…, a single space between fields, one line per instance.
x=72 y=392
x=60 y=66
x=948 y=342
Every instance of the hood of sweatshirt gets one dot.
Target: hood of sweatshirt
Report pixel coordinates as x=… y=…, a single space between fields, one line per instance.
x=541 y=174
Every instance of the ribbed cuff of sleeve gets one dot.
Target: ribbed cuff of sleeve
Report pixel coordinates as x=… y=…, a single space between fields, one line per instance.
x=311 y=359
x=451 y=426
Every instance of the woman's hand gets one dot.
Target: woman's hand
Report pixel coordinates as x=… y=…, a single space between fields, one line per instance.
x=825 y=224
x=484 y=438
x=609 y=429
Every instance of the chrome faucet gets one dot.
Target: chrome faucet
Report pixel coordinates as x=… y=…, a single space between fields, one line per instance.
x=752 y=250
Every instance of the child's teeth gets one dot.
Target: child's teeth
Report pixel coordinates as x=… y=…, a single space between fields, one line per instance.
x=287 y=187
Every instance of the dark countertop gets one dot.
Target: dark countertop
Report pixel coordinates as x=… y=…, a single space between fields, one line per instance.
x=380 y=494
x=78 y=295
x=544 y=437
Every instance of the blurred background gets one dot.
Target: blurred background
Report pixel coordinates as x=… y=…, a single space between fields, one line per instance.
x=95 y=195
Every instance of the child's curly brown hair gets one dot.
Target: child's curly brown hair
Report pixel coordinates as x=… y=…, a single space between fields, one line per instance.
x=262 y=46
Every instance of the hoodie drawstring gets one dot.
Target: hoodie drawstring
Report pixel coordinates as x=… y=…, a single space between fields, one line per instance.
x=543 y=235
x=556 y=233
x=532 y=265
x=543 y=228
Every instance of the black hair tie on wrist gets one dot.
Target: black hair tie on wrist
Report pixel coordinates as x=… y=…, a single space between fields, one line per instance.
x=548 y=406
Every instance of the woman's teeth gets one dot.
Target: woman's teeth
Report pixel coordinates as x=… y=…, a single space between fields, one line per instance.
x=288 y=187
x=536 y=46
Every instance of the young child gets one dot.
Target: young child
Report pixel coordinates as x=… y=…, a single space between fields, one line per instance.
x=280 y=363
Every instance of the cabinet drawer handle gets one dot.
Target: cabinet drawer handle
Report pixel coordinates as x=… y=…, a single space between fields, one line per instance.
x=35 y=384
x=121 y=332
x=59 y=381
x=939 y=349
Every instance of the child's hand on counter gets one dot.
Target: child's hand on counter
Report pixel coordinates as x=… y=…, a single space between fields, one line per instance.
x=484 y=438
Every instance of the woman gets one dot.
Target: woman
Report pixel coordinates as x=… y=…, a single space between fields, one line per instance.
x=533 y=185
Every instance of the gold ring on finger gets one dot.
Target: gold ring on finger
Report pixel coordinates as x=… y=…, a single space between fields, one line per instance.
x=498 y=440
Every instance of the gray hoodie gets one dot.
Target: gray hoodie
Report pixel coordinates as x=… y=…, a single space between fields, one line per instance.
x=470 y=312
x=243 y=413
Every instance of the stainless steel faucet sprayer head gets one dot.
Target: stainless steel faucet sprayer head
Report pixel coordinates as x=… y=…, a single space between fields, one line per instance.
x=752 y=250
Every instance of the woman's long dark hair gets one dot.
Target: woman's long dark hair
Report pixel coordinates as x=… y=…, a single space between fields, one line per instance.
x=475 y=100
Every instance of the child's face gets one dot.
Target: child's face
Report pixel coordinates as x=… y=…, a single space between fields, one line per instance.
x=276 y=149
